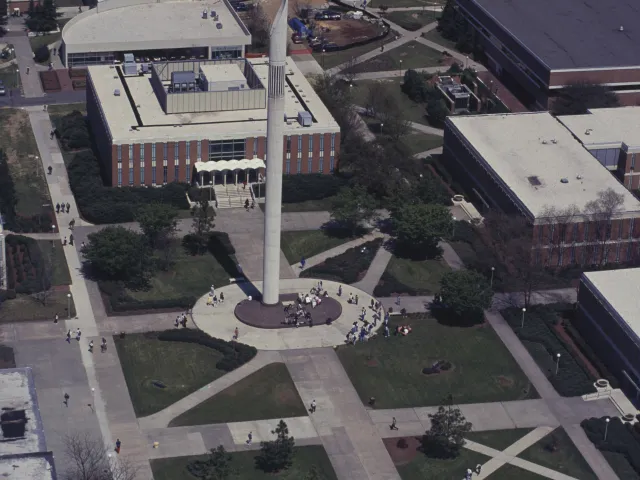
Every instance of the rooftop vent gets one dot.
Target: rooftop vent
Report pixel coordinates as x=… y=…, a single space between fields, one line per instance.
x=578 y=177
x=544 y=142
x=621 y=29
x=534 y=180
x=564 y=180
x=305 y=119
x=116 y=92
x=554 y=141
x=588 y=131
x=204 y=13
x=219 y=26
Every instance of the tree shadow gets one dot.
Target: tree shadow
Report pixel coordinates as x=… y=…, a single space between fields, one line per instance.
x=444 y=316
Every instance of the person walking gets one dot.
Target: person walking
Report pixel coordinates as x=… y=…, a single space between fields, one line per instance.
x=57 y=208
x=50 y=169
x=56 y=318
x=68 y=207
x=64 y=242
x=118 y=445
x=71 y=239
x=103 y=345
x=177 y=323
x=393 y=425
x=235 y=333
x=221 y=297
x=313 y=406
x=91 y=346
x=249 y=438
x=303 y=262
x=350 y=297
x=339 y=290
x=66 y=400
x=78 y=334
x=356 y=299
x=69 y=336
x=398 y=300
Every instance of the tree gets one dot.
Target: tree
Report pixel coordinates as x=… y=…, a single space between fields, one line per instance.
x=601 y=213
x=578 y=98
x=3 y=16
x=351 y=207
x=276 y=455
x=445 y=438
x=258 y=25
x=437 y=111
x=42 y=54
x=203 y=217
x=336 y=96
x=558 y=231
x=216 y=467
x=466 y=293
x=43 y=17
x=314 y=473
x=394 y=119
x=349 y=72
x=452 y=25
x=116 y=253
x=87 y=459
x=419 y=228
x=157 y=221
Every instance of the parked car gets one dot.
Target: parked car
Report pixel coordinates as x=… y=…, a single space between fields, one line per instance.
x=3 y=91
x=334 y=15
x=295 y=38
x=241 y=7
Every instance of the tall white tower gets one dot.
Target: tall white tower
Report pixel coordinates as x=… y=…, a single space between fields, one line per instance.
x=275 y=148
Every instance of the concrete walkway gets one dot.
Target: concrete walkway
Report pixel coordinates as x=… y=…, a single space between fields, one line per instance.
x=396 y=73
x=31 y=85
x=332 y=252
x=162 y=418
x=433 y=151
x=463 y=59
x=345 y=428
x=375 y=271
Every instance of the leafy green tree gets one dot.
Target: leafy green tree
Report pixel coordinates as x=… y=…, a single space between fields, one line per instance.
x=43 y=17
x=445 y=438
x=419 y=228
x=351 y=207
x=437 y=111
x=157 y=221
x=3 y=15
x=466 y=293
x=578 y=98
x=116 y=253
x=276 y=455
x=203 y=217
x=216 y=467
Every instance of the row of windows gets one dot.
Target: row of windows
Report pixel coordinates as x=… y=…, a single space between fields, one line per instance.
x=607 y=156
x=83 y=59
x=571 y=231
x=592 y=255
x=225 y=53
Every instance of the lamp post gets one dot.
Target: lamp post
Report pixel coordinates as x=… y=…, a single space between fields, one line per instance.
x=493 y=269
x=557 y=363
x=466 y=60
x=17 y=77
x=381 y=125
x=606 y=427
x=323 y=59
x=211 y=189
x=400 y=67
x=453 y=228
x=69 y=304
x=53 y=242
x=522 y=322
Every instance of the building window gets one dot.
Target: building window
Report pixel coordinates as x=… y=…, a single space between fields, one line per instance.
x=594 y=257
x=119 y=174
x=618 y=246
x=287 y=166
x=153 y=173
x=331 y=162
x=165 y=151
x=310 y=144
x=620 y=224
x=608 y=229
x=299 y=166
x=142 y=164
x=310 y=167
x=552 y=230
x=199 y=150
x=629 y=246
x=164 y=174
x=131 y=152
x=540 y=233
x=227 y=150
x=537 y=257
x=255 y=146
x=573 y=255
x=322 y=146
x=574 y=233
x=85 y=59
x=225 y=53
x=119 y=153
x=631 y=222
x=299 y=143
x=288 y=143
x=333 y=141
x=560 y=257
x=175 y=151
x=633 y=161
x=176 y=172
x=130 y=176
x=188 y=173
x=153 y=152
x=586 y=231
x=188 y=151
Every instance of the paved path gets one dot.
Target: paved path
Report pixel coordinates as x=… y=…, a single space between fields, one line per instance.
x=433 y=151
x=396 y=73
x=347 y=433
x=435 y=8
x=162 y=418
x=30 y=82
x=375 y=271
x=463 y=59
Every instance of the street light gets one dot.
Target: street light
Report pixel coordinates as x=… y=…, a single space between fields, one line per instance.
x=606 y=427
x=401 y=68
x=466 y=59
x=323 y=59
x=53 y=230
x=69 y=304
x=493 y=269
x=17 y=77
x=453 y=229
x=522 y=322
x=381 y=125
x=557 y=362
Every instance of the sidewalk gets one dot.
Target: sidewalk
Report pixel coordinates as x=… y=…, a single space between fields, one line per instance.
x=31 y=85
x=375 y=271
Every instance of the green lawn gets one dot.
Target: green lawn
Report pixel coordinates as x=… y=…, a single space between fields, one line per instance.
x=423 y=467
x=565 y=459
x=267 y=393
x=60 y=270
x=188 y=276
x=407 y=56
x=307 y=243
x=411 y=277
x=333 y=59
x=414 y=112
x=182 y=367
x=23 y=158
x=391 y=369
x=26 y=308
x=58 y=111
x=498 y=439
x=306 y=206
x=421 y=142
x=435 y=36
x=10 y=77
x=412 y=20
x=511 y=472
x=244 y=465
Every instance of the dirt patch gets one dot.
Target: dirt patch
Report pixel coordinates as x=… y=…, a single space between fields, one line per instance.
x=400 y=455
x=347 y=31
x=504 y=381
x=372 y=363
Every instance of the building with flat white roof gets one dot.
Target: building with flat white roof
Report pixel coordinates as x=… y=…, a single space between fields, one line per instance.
x=153 y=30
x=612 y=135
x=530 y=164
x=608 y=306
x=150 y=132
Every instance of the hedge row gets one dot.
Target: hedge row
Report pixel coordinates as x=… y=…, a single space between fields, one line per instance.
x=118 y=301
x=539 y=337
x=235 y=354
x=347 y=267
x=99 y=204
x=25 y=266
x=622 y=439
x=301 y=188
x=72 y=131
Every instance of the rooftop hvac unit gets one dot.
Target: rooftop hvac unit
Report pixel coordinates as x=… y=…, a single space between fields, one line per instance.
x=128 y=58
x=219 y=26
x=130 y=68
x=213 y=13
x=305 y=119
x=116 y=92
x=204 y=13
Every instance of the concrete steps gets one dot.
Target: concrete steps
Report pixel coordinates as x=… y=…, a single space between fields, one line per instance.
x=232 y=196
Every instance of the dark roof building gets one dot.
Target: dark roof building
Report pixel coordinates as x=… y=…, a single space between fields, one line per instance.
x=547 y=44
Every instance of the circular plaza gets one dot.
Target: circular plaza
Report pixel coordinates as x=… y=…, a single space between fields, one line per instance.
x=239 y=312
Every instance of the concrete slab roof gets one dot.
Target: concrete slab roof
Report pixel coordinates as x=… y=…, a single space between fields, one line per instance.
x=621 y=290
x=157 y=126
x=531 y=153
x=572 y=34
x=217 y=73
x=606 y=127
x=154 y=25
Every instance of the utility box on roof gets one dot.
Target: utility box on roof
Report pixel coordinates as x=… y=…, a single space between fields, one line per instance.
x=305 y=119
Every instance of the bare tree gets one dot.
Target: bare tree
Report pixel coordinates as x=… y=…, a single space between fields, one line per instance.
x=87 y=458
x=389 y=113
x=301 y=8
x=601 y=213
x=349 y=72
x=559 y=225
x=258 y=25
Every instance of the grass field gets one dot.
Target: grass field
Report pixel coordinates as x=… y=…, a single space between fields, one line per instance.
x=10 y=77
x=26 y=308
x=407 y=56
x=333 y=59
x=412 y=277
x=391 y=369
x=414 y=112
x=426 y=468
x=498 y=439
x=243 y=464
x=565 y=458
x=182 y=367
x=421 y=142
x=307 y=243
x=412 y=20
x=19 y=144
x=60 y=270
x=267 y=393
x=435 y=36
x=511 y=472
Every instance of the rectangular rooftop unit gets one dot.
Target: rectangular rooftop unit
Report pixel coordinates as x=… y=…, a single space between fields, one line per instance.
x=305 y=119
x=129 y=58
x=220 y=78
x=182 y=82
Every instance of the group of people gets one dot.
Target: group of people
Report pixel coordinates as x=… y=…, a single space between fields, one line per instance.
x=78 y=336
x=61 y=207
x=181 y=320
x=213 y=299
x=366 y=331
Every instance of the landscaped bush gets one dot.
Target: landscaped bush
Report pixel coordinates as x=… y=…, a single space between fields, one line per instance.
x=42 y=54
x=78 y=73
x=72 y=131
x=99 y=204
x=622 y=440
x=348 y=267
x=541 y=340
x=235 y=354
x=25 y=266
x=117 y=300
x=301 y=188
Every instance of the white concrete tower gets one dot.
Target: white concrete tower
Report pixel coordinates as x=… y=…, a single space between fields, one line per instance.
x=275 y=147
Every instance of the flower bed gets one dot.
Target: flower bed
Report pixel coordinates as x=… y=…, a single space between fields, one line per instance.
x=622 y=446
x=348 y=267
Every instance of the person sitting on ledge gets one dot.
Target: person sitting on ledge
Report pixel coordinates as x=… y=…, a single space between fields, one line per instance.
x=325 y=294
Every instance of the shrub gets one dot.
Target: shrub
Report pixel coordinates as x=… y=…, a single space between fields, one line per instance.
x=72 y=131
x=300 y=188
x=622 y=440
x=42 y=54
x=541 y=340
x=117 y=300
x=235 y=354
x=348 y=266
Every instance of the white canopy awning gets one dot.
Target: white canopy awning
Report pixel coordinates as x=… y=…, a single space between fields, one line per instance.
x=221 y=165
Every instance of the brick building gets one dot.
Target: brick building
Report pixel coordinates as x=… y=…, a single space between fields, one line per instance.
x=545 y=45
x=529 y=164
x=203 y=122
x=608 y=305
